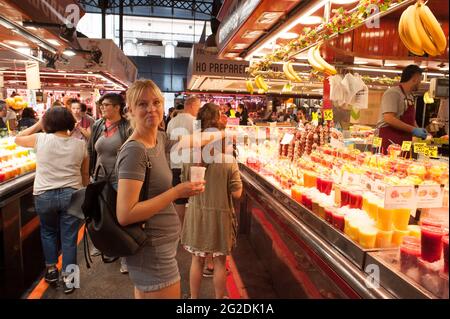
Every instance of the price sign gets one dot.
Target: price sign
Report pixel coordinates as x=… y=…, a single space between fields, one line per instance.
x=406 y=146
x=429 y=196
x=399 y=197
x=328 y=115
x=377 y=141
x=351 y=178
x=431 y=151
x=315 y=116
x=287 y=138
x=420 y=148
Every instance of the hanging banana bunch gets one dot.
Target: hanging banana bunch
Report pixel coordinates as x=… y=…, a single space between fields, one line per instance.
x=318 y=63
x=290 y=73
x=261 y=84
x=287 y=88
x=421 y=32
x=249 y=86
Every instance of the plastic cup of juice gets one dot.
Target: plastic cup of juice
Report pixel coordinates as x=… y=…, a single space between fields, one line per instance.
x=365 y=204
x=401 y=218
x=445 y=251
x=319 y=184
x=338 y=220
x=384 y=239
x=431 y=242
x=385 y=218
x=345 y=197
x=398 y=236
x=329 y=214
x=409 y=255
x=355 y=199
x=327 y=185
x=197 y=173
x=296 y=193
x=367 y=236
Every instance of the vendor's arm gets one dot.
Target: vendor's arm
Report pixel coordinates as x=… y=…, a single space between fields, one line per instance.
x=392 y=120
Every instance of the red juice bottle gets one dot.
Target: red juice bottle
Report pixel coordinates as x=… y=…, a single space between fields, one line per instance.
x=431 y=242
x=445 y=248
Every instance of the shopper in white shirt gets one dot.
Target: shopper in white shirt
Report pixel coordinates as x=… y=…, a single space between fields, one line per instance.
x=182 y=124
x=62 y=168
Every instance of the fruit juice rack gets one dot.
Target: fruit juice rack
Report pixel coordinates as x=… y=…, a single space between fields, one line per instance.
x=14 y=161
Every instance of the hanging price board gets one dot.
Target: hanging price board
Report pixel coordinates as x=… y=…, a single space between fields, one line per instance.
x=420 y=148
x=377 y=141
x=406 y=146
x=328 y=115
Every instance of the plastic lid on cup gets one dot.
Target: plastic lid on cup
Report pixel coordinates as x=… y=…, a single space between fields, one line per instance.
x=411 y=240
x=430 y=222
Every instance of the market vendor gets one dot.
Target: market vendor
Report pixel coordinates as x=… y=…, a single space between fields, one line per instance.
x=397 y=122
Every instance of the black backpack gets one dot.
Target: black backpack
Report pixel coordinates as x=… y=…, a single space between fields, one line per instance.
x=107 y=235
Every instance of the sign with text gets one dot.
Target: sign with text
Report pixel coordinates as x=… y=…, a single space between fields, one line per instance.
x=431 y=151
x=399 y=197
x=406 y=146
x=429 y=196
x=378 y=186
x=420 y=148
x=351 y=178
x=328 y=115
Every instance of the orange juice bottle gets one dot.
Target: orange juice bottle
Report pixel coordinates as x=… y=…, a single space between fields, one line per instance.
x=401 y=218
x=385 y=218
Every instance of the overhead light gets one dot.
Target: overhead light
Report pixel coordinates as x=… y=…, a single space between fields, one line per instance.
x=31 y=28
x=343 y=1
x=310 y=20
x=269 y=17
x=288 y=27
x=445 y=68
x=54 y=42
x=17 y=43
x=239 y=46
x=69 y=53
x=250 y=34
x=288 y=35
x=360 y=62
x=423 y=66
x=24 y=50
x=390 y=64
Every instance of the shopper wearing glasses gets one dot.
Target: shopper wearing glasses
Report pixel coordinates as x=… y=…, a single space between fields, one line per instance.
x=108 y=135
x=397 y=122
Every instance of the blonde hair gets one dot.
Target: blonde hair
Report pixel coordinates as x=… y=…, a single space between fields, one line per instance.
x=135 y=91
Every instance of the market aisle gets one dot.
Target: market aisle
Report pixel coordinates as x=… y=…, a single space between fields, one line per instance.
x=104 y=281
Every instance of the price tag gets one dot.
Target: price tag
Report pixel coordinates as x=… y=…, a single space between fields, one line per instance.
x=399 y=197
x=406 y=146
x=429 y=196
x=315 y=116
x=420 y=148
x=328 y=115
x=350 y=178
x=431 y=151
x=287 y=138
x=377 y=141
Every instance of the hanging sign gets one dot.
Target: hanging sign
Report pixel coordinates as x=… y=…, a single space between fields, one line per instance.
x=33 y=75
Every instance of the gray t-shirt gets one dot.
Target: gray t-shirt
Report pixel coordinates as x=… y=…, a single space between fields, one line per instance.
x=58 y=162
x=180 y=125
x=107 y=149
x=393 y=101
x=164 y=226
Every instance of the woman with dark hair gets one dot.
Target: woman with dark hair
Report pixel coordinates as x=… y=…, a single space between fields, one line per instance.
x=62 y=168
x=210 y=225
x=28 y=118
x=242 y=114
x=84 y=123
x=108 y=135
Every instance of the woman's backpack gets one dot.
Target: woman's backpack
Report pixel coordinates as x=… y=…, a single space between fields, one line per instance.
x=107 y=235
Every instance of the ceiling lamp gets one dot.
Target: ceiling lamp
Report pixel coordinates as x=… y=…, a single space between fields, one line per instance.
x=309 y=20
x=360 y=62
x=17 y=43
x=390 y=64
x=54 y=42
x=69 y=53
x=288 y=35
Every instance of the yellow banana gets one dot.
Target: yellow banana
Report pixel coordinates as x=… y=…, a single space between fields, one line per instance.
x=260 y=83
x=249 y=85
x=286 y=71
x=328 y=68
x=427 y=44
x=291 y=70
x=311 y=59
x=432 y=26
x=407 y=27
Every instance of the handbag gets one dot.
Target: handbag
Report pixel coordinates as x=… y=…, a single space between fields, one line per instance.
x=107 y=235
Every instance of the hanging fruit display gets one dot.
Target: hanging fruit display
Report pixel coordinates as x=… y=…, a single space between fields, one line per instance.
x=249 y=86
x=290 y=73
x=318 y=63
x=421 y=32
x=17 y=103
x=261 y=84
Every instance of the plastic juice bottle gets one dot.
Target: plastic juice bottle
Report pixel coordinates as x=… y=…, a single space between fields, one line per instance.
x=367 y=236
x=385 y=219
x=445 y=250
x=398 y=236
x=384 y=239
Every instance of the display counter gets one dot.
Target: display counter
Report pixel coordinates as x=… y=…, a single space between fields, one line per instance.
x=21 y=259
x=307 y=257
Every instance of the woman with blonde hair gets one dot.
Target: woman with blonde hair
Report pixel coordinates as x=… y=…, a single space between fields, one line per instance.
x=153 y=269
